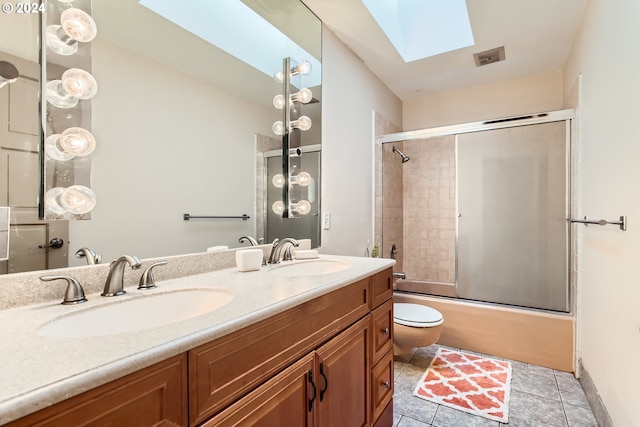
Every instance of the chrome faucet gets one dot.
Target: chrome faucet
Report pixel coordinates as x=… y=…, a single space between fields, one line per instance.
x=91 y=257
x=115 y=279
x=251 y=240
x=276 y=249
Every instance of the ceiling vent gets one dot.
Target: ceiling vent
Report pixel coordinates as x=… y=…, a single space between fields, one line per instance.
x=489 y=56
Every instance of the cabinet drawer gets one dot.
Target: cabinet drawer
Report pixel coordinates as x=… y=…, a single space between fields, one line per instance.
x=381 y=331
x=222 y=371
x=153 y=396
x=381 y=287
x=381 y=385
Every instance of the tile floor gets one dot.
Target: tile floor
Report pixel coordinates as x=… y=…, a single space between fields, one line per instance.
x=539 y=397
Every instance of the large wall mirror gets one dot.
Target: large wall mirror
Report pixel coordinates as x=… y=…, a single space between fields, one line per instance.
x=181 y=126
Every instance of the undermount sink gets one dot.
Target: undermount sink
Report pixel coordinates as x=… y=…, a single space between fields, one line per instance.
x=315 y=267
x=137 y=314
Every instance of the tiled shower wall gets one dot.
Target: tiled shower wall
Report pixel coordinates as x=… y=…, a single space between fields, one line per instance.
x=388 y=176
x=429 y=209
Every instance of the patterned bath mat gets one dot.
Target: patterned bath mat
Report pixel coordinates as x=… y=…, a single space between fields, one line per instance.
x=467 y=382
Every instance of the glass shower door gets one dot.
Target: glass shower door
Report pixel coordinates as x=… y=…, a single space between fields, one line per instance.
x=512 y=233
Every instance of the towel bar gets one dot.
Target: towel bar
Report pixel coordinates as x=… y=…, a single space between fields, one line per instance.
x=622 y=222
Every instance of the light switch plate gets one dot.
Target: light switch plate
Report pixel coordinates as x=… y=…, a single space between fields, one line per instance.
x=326 y=220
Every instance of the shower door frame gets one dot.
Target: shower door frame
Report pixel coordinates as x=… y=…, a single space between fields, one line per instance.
x=568 y=116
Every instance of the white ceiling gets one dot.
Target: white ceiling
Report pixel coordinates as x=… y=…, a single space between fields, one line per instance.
x=537 y=36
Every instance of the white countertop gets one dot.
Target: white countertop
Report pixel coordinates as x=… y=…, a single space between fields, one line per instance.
x=38 y=371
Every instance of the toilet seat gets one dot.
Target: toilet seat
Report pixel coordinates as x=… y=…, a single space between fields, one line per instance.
x=416 y=315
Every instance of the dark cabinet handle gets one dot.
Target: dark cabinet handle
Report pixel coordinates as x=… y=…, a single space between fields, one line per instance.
x=55 y=243
x=326 y=382
x=310 y=377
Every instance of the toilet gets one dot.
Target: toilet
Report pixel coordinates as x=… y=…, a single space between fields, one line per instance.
x=415 y=325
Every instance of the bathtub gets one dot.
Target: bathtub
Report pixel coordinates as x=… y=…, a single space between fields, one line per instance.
x=530 y=336
x=426 y=287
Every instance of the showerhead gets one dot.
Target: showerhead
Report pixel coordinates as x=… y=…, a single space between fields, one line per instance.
x=405 y=158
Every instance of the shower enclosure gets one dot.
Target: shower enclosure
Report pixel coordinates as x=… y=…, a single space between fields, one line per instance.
x=479 y=211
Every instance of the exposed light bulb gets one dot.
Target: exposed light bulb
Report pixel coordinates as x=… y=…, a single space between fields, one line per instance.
x=278 y=75
x=75 y=26
x=77 y=141
x=278 y=102
x=303 y=68
x=303 y=179
x=303 y=207
x=73 y=142
x=278 y=180
x=77 y=199
x=79 y=83
x=278 y=207
x=303 y=123
x=51 y=201
x=304 y=96
x=278 y=128
x=75 y=84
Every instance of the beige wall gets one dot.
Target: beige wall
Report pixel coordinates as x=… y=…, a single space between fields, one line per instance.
x=605 y=52
x=510 y=98
x=19 y=35
x=351 y=93
x=173 y=145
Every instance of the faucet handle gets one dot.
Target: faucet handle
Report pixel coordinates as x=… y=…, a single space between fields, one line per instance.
x=147 y=280
x=74 y=293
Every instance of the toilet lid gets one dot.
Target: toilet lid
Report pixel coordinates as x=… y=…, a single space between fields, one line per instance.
x=416 y=315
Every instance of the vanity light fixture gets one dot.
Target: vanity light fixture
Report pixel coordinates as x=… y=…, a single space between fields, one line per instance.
x=304 y=96
x=76 y=84
x=73 y=142
x=302 y=207
x=303 y=179
x=303 y=123
x=8 y=73
x=75 y=26
x=76 y=199
x=291 y=205
x=303 y=68
x=65 y=191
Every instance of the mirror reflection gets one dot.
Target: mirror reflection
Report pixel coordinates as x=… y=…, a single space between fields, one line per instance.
x=177 y=123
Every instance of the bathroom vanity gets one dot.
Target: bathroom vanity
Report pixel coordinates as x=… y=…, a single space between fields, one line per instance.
x=289 y=349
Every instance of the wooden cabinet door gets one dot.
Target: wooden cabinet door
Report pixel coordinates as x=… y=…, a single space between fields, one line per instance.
x=343 y=371
x=155 y=396
x=288 y=399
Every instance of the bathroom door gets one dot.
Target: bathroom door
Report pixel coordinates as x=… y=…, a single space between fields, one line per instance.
x=20 y=176
x=512 y=233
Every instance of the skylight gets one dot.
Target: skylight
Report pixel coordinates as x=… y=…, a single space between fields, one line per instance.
x=422 y=28
x=234 y=27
